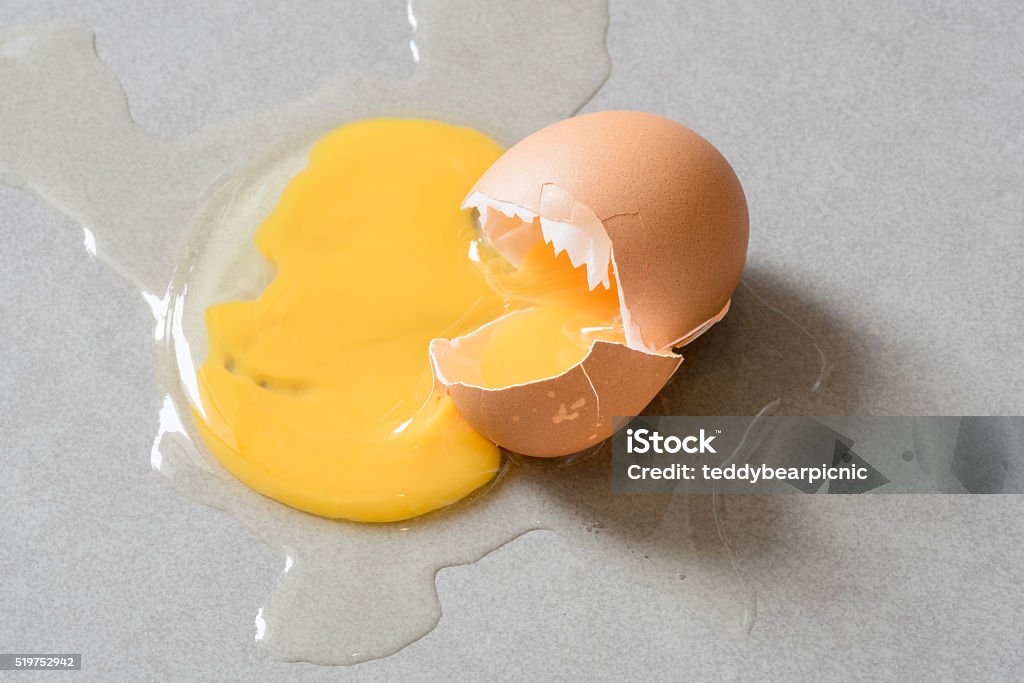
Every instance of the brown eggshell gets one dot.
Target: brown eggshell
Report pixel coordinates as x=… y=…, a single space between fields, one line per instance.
x=671 y=204
x=560 y=415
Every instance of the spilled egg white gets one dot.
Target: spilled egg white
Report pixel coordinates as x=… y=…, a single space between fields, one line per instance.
x=634 y=191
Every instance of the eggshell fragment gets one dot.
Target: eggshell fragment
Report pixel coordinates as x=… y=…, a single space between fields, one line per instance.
x=670 y=203
x=556 y=416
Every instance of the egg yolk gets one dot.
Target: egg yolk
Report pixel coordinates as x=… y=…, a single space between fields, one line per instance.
x=560 y=319
x=319 y=393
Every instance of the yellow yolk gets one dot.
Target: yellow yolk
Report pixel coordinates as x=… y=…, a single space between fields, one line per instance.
x=319 y=393
x=559 y=325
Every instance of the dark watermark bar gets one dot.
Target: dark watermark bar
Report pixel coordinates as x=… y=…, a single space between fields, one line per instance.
x=39 y=662
x=830 y=455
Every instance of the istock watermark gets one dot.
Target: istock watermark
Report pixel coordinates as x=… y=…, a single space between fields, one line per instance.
x=832 y=455
x=648 y=441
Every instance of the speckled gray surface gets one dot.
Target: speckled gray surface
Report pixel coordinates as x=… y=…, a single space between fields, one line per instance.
x=882 y=150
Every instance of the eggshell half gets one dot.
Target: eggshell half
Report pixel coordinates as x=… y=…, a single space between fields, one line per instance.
x=556 y=416
x=670 y=203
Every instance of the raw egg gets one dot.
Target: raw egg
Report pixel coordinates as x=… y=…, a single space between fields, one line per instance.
x=401 y=343
x=647 y=208
x=319 y=392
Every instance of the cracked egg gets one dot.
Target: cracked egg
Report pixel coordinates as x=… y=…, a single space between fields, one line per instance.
x=399 y=343
x=654 y=221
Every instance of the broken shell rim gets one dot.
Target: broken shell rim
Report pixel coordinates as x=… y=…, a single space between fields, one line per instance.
x=450 y=343
x=484 y=203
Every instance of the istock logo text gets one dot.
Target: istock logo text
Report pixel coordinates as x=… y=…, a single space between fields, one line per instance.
x=648 y=441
